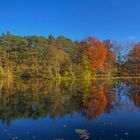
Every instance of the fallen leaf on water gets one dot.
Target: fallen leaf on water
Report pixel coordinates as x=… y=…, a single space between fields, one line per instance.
x=83 y=133
x=65 y=125
x=58 y=139
x=33 y=137
x=126 y=133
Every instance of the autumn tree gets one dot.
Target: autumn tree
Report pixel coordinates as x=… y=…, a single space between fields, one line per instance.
x=132 y=65
x=96 y=53
x=110 y=62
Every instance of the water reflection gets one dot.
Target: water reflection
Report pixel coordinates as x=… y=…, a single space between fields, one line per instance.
x=40 y=98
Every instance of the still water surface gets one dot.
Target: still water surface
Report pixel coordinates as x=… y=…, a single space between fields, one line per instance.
x=94 y=110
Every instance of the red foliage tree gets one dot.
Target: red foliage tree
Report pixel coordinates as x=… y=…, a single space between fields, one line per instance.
x=134 y=54
x=97 y=53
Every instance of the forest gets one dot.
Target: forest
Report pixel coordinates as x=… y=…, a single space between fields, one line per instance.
x=62 y=58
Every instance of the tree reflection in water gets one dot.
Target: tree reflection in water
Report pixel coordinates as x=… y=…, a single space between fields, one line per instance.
x=39 y=98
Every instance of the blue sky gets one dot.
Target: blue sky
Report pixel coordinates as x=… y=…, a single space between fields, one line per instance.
x=76 y=19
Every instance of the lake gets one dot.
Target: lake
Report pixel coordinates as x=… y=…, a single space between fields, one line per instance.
x=74 y=110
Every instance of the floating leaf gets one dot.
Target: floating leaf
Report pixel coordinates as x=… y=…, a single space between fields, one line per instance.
x=83 y=133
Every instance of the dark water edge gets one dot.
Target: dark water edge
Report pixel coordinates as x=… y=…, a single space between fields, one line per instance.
x=72 y=110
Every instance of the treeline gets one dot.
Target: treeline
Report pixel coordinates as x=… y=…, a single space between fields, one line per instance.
x=56 y=58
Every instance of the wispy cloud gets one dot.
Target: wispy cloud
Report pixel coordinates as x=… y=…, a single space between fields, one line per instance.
x=132 y=37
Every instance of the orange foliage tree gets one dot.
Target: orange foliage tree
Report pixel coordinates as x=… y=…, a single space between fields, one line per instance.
x=134 y=54
x=110 y=57
x=97 y=54
x=132 y=67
